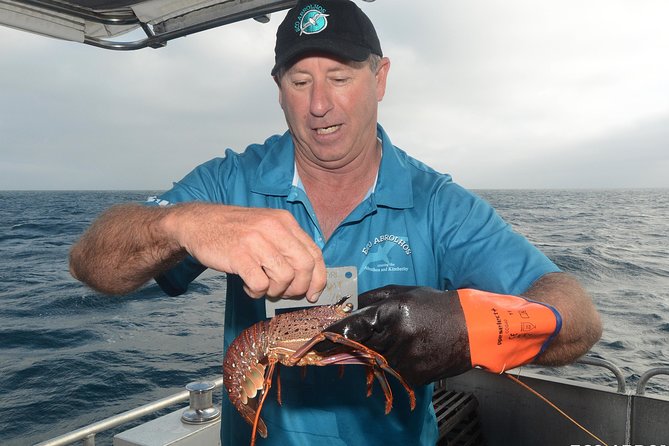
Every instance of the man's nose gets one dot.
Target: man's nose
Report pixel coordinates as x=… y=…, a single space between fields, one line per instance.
x=321 y=98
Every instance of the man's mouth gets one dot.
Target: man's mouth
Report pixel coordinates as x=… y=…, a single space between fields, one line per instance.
x=327 y=130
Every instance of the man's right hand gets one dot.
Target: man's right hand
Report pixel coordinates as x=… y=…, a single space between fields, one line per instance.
x=130 y=244
x=266 y=247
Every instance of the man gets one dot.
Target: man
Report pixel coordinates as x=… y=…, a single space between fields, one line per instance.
x=334 y=191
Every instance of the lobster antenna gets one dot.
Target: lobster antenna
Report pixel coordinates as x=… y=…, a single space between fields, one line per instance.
x=551 y=404
x=342 y=300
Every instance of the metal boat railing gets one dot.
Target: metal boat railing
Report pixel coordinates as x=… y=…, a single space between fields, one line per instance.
x=588 y=360
x=641 y=385
x=87 y=434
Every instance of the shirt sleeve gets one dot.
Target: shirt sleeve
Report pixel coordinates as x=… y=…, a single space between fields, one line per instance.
x=478 y=249
x=204 y=183
x=201 y=184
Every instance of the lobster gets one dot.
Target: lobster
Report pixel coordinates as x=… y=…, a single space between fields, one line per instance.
x=289 y=339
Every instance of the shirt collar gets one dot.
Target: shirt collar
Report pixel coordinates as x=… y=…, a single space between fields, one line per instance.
x=276 y=173
x=393 y=186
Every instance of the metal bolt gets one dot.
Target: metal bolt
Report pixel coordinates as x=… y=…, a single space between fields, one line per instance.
x=202 y=409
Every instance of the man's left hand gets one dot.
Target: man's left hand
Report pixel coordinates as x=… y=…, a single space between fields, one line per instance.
x=420 y=331
x=427 y=334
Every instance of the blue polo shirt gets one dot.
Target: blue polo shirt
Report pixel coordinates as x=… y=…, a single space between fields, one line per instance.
x=416 y=227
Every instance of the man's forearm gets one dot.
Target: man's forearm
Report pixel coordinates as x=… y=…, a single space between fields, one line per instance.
x=581 y=325
x=267 y=248
x=123 y=249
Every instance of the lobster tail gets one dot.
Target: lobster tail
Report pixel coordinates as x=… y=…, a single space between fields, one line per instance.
x=244 y=372
x=248 y=412
x=290 y=339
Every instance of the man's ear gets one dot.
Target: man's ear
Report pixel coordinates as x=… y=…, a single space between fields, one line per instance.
x=277 y=81
x=381 y=77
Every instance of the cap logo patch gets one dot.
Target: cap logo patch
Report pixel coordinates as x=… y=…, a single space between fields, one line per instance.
x=312 y=20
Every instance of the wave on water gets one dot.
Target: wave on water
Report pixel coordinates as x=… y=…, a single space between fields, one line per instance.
x=75 y=357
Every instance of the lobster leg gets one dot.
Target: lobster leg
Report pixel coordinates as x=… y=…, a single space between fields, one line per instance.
x=383 y=382
x=380 y=362
x=265 y=390
x=278 y=386
x=366 y=356
x=370 y=380
x=374 y=370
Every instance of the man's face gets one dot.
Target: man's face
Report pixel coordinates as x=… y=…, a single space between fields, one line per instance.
x=331 y=108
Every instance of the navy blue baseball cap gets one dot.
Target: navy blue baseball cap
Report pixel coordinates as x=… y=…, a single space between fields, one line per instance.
x=337 y=27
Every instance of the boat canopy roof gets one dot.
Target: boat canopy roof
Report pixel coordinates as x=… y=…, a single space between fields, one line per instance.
x=102 y=22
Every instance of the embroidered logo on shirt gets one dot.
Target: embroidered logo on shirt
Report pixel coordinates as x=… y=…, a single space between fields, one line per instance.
x=377 y=254
x=158 y=201
x=312 y=20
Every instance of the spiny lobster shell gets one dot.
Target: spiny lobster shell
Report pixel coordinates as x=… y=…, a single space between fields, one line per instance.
x=278 y=338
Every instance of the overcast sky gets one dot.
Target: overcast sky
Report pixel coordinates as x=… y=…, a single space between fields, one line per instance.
x=500 y=94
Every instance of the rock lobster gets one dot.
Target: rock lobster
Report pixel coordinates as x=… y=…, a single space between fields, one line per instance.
x=290 y=339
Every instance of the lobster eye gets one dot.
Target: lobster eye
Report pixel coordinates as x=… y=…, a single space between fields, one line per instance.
x=348 y=308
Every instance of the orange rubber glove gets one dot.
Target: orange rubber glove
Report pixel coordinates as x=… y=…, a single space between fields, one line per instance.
x=506 y=331
x=427 y=334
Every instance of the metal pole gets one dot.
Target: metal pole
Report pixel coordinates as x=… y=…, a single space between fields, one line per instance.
x=87 y=433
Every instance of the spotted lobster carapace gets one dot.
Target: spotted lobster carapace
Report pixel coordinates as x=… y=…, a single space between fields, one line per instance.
x=289 y=339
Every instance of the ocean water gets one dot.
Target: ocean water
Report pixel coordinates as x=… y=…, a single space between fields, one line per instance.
x=69 y=356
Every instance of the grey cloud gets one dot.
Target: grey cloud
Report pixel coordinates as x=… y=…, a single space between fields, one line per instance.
x=480 y=89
